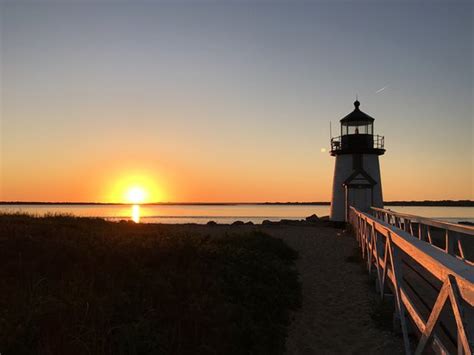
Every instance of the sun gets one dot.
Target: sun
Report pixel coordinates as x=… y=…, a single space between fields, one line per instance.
x=136 y=195
x=136 y=187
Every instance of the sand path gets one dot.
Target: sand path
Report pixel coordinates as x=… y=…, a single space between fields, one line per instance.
x=337 y=298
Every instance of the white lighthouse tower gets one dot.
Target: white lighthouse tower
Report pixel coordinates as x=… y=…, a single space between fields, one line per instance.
x=357 y=172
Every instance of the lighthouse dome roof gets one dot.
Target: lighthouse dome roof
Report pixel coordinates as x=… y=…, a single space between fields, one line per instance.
x=357 y=117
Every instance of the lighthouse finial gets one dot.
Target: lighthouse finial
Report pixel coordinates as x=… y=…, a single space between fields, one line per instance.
x=356 y=102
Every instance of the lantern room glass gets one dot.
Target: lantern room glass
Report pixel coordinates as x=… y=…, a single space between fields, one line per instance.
x=357 y=128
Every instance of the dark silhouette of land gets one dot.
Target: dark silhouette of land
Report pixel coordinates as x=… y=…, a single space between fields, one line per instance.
x=441 y=203
x=84 y=285
x=88 y=286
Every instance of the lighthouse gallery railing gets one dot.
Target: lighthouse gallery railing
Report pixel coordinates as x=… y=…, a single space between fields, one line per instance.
x=424 y=280
x=376 y=141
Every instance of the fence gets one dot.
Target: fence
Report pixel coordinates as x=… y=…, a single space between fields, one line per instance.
x=433 y=291
x=446 y=236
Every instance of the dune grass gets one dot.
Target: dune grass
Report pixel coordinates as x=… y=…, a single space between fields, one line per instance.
x=87 y=286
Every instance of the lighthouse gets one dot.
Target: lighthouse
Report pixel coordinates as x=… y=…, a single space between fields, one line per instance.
x=356 y=179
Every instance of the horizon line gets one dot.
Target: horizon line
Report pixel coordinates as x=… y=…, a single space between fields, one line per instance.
x=465 y=201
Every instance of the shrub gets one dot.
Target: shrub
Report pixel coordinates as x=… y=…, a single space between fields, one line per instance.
x=87 y=286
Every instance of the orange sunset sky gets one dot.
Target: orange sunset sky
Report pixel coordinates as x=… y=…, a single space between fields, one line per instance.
x=231 y=101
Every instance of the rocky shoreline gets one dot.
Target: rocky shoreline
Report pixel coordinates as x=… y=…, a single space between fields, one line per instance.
x=312 y=220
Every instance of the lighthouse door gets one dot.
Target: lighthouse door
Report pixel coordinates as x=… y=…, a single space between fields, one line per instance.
x=359 y=191
x=359 y=197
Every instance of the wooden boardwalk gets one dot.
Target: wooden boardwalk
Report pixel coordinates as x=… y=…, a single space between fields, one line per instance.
x=428 y=273
x=337 y=298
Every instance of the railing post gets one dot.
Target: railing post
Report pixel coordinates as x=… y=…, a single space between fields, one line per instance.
x=450 y=243
x=454 y=243
x=377 y=252
x=397 y=276
x=358 y=231
x=370 y=242
x=407 y=224
x=362 y=236
x=411 y=228
x=428 y=234
x=459 y=245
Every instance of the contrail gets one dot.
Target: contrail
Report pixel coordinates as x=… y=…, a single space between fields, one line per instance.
x=382 y=89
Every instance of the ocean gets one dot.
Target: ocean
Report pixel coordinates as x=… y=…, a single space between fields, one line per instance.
x=227 y=213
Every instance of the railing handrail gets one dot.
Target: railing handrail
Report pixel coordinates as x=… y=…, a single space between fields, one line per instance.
x=378 y=141
x=384 y=245
x=459 y=228
x=376 y=136
x=440 y=264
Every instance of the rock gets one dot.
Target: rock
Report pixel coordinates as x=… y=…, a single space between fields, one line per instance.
x=267 y=222
x=290 y=222
x=238 y=223
x=249 y=223
x=211 y=223
x=466 y=223
x=313 y=218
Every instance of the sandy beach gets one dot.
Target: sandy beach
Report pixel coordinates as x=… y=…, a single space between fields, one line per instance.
x=337 y=298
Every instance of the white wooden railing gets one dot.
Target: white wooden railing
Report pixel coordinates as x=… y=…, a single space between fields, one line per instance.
x=449 y=237
x=422 y=278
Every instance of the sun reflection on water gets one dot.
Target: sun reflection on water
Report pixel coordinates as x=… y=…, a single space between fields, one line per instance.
x=136 y=213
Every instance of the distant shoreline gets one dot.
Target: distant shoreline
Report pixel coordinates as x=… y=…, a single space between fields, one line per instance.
x=441 y=203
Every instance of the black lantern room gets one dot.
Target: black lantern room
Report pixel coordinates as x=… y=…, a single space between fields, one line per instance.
x=357 y=135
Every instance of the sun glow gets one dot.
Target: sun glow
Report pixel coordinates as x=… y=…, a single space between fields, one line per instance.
x=136 y=195
x=136 y=188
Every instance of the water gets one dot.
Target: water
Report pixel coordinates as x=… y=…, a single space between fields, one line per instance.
x=221 y=213
x=449 y=214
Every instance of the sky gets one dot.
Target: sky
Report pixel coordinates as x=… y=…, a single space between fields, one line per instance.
x=230 y=100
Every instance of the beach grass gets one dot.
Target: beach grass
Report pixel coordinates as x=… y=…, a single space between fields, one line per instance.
x=88 y=286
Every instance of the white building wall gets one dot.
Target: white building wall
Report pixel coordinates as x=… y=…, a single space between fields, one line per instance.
x=361 y=198
x=372 y=167
x=342 y=170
